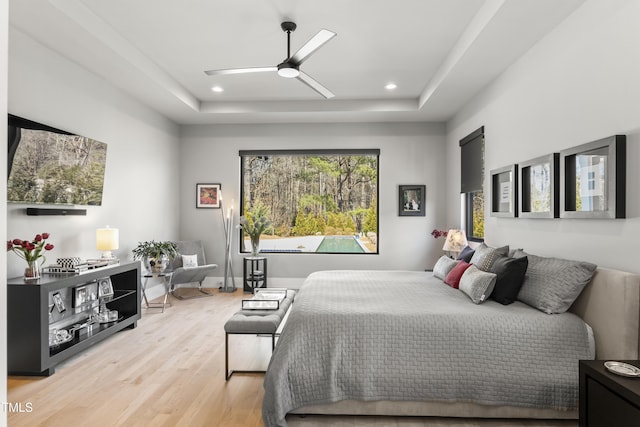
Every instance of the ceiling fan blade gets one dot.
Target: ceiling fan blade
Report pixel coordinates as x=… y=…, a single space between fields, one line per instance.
x=311 y=46
x=240 y=71
x=309 y=81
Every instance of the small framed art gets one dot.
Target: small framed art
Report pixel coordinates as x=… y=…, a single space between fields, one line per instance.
x=593 y=179
x=58 y=302
x=105 y=288
x=208 y=196
x=504 y=191
x=411 y=200
x=539 y=185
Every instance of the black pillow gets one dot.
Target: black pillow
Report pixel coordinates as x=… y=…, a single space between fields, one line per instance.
x=510 y=276
x=466 y=254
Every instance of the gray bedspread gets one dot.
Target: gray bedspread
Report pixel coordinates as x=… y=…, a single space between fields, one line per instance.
x=404 y=335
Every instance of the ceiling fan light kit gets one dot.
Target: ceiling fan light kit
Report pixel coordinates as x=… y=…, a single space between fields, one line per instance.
x=290 y=67
x=288 y=70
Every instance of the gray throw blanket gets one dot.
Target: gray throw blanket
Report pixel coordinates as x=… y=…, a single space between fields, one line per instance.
x=403 y=335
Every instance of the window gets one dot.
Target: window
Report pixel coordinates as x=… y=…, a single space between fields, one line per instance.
x=317 y=201
x=472 y=183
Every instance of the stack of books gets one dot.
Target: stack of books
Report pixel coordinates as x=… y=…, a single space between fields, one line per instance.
x=75 y=265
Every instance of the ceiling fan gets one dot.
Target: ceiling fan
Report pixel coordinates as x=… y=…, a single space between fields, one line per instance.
x=290 y=67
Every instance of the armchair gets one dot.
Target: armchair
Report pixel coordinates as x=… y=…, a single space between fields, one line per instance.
x=182 y=273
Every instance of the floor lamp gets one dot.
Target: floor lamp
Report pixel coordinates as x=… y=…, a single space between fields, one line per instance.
x=228 y=259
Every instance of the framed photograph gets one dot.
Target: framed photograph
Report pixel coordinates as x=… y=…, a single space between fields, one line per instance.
x=85 y=294
x=105 y=287
x=80 y=296
x=411 y=200
x=504 y=191
x=539 y=187
x=58 y=302
x=593 y=179
x=208 y=196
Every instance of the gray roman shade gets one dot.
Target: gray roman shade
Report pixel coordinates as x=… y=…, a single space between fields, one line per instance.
x=472 y=161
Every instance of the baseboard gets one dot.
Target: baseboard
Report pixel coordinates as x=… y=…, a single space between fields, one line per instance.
x=155 y=288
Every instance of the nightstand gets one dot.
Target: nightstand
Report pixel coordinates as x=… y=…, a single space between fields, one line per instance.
x=607 y=399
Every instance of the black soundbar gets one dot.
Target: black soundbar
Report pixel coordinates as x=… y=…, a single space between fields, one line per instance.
x=55 y=211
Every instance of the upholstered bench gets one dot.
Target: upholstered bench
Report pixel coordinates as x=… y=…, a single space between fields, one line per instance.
x=255 y=322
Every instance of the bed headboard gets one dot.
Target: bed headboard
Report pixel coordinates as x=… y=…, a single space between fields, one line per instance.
x=610 y=304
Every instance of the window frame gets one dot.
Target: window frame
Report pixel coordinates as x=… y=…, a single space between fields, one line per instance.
x=311 y=153
x=469 y=191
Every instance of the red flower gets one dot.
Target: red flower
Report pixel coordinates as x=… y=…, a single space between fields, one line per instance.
x=30 y=251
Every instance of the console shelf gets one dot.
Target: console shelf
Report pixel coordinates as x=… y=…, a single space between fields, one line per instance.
x=65 y=302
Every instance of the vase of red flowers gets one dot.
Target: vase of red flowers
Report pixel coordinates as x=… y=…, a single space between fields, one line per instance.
x=32 y=252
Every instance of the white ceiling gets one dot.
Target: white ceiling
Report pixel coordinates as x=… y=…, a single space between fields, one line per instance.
x=438 y=52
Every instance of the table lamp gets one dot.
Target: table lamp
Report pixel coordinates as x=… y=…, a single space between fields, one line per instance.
x=455 y=242
x=106 y=241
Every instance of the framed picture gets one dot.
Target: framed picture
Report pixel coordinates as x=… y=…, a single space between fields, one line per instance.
x=539 y=185
x=593 y=179
x=58 y=302
x=411 y=200
x=85 y=294
x=208 y=196
x=105 y=287
x=80 y=296
x=504 y=191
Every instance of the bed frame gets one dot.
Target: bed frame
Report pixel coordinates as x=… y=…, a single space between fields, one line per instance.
x=610 y=304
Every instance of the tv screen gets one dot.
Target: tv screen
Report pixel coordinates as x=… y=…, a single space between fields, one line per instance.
x=52 y=166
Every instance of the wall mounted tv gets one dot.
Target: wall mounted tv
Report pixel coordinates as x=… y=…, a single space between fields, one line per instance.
x=52 y=166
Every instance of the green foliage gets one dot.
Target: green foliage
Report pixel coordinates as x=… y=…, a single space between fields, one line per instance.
x=153 y=249
x=371 y=219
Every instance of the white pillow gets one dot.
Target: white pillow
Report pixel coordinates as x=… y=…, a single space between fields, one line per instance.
x=443 y=267
x=477 y=284
x=189 y=261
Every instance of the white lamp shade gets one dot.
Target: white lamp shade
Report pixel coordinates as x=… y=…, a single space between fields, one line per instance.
x=107 y=239
x=455 y=241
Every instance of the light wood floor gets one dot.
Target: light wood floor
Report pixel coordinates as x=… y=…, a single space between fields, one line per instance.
x=169 y=371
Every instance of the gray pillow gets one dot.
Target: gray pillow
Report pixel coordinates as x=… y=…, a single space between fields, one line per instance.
x=552 y=284
x=443 y=267
x=477 y=284
x=484 y=256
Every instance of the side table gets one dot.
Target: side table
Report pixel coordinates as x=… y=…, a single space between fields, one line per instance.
x=607 y=399
x=254 y=273
x=165 y=282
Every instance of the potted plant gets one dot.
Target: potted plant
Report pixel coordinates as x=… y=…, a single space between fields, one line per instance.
x=155 y=255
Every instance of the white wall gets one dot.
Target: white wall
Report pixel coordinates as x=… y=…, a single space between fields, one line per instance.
x=410 y=153
x=577 y=85
x=141 y=177
x=4 y=43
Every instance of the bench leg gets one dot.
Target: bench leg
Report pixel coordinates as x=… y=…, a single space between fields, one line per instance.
x=227 y=372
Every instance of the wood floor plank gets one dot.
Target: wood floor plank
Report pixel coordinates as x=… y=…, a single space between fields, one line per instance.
x=169 y=371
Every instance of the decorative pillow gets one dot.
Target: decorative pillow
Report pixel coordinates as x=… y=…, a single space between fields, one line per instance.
x=189 y=261
x=510 y=276
x=477 y=284
x=453 y=278
x=553 y=284
x=443 y=267
x=484 y=256
x=466 y=254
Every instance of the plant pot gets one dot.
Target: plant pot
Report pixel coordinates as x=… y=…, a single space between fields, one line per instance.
x=255 y=247
x=156 y=265
x=32 y=272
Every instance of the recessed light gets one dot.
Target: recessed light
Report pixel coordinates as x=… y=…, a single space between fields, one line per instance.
x=390 y=86
x=217 y=89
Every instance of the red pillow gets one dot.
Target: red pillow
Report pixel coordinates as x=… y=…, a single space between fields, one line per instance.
x=453 y=278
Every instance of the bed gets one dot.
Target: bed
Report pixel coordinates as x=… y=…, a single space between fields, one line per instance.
x=404 y=343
